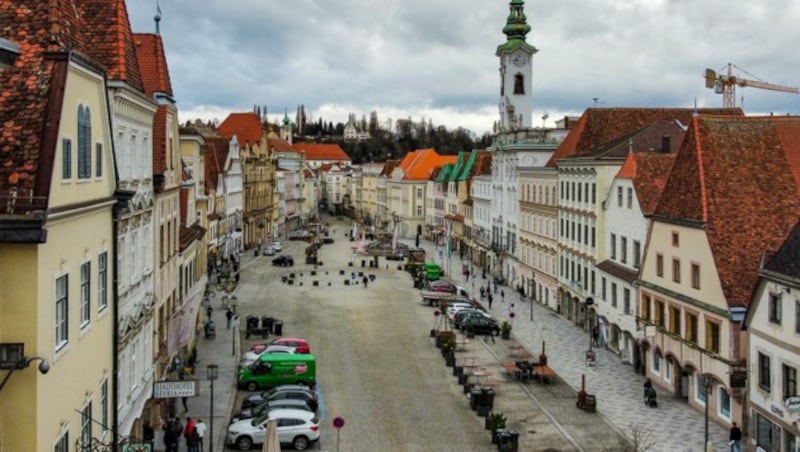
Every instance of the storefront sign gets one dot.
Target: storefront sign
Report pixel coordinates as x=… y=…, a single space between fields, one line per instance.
x=174 y=388
x=793 y=405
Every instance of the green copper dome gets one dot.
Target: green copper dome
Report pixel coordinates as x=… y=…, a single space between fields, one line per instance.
x=516 y=29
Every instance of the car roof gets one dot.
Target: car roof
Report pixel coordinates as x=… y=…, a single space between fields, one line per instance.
x=288 y=388
x=295 y=339
x=291 y=413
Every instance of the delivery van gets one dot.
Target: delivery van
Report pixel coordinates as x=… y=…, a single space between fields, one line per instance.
x=274 y=369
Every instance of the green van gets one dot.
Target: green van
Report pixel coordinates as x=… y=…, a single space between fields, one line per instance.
x=273 y=369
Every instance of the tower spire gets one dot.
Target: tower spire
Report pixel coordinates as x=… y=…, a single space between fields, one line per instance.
x=517 y=24
x=157 y=18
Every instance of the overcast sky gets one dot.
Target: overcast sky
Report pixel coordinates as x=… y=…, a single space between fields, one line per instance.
x=435 y=58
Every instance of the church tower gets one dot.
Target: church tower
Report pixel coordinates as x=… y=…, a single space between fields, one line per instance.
x=286 y=128
x=516 y=106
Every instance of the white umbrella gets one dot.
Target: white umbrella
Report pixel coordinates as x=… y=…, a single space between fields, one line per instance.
x=271 y=441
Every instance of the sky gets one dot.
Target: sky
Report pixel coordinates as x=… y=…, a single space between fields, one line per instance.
x=436 y=58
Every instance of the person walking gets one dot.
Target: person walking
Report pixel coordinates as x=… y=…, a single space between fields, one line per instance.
x=736 y=438
x=502 y=296
x=229 y=317
x=490 y=300
x=191 y=436
x=201 y=429
x=148 y=434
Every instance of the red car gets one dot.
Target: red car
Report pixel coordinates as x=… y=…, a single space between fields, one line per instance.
x=299 y=345
x=442 y=286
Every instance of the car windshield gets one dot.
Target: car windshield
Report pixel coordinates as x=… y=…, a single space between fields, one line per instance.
x=260 y=419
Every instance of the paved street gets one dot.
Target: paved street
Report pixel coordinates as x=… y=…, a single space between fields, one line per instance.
x=673 y=426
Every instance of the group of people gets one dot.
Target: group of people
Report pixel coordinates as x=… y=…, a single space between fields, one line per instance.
x=192 y=433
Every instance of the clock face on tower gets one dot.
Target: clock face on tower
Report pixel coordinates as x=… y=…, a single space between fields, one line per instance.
x=519 y=60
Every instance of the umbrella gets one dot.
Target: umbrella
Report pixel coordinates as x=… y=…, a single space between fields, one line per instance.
x=271 y=441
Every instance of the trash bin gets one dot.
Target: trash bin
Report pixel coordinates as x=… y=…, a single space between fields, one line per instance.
x=487 y=397
x=252 y=322
x=266 y=322
x=475 y=397
x=508 y=441
x=277 y=328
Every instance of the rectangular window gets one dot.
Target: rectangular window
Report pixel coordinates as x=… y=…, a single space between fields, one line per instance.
x=98 y=160
x=656 y=363
x=637 y=254
x=66 y=159
x=789 y=382
x=419 y=192
x=419 y=210
x=586 y=191
x=659 y=265
x=86 y=277
x=764 y=372
x=572 y=193
x=623 y=250
x=723 y=402
x=580 y=194
x=700 y=388
x=594 y=193
x=674 y=320
x=659 y=313
x=695 y=276
x=86 y=425
x=613 y=246
x=775 y=308
x=646 y=307
x=626 y=300
x=62 y=312
x=619 y=196
x=104 y=405
x=62 y=445
x=712 y=336
x=675 y=239
x=676 y=270
x=572 y=232
x=102 y=281
x=630 y=198
x=593 y=286
x=764 y=430
x=691 y=328
x=593 y=237
x=562 y=227
x=603 y=288
x=614 y=294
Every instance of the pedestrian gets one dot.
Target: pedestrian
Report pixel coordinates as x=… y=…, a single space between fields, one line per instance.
x=229 y=317
x=736 y=438
x=365 y=280
x=595 y=335
x=647 y=386
x=148 y=434
x=466 y=273
x=183 y=400
x=191 y=436
x=490 y=300
x=502 y=296
x=170 y=440
x=491 y=335
x=208 y=311
x=201 y=428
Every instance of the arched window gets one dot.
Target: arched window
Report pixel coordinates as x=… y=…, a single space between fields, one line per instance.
x=84 y=143
x=519 y=84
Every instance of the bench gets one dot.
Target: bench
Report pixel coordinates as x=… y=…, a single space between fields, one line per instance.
x=461 y=344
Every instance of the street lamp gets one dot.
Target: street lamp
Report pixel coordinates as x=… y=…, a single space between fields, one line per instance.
x=706 y=388
x=212 y=372
x=12 y=357
x=532 y=284
x=590 y=353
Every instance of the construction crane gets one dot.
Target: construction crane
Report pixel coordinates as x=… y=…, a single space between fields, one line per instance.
x=726 y=84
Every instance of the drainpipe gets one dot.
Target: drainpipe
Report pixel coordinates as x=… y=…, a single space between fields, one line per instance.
x=122 y=196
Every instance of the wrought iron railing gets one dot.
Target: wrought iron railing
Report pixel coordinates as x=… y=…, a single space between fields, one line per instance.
x=21 y=202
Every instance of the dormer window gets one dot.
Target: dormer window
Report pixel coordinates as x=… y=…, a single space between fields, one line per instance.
x=9 y=52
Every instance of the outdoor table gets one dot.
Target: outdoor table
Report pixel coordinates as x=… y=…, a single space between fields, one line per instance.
x=521 y=354
x=513 y=371
x=545 y=374
x=461 y=344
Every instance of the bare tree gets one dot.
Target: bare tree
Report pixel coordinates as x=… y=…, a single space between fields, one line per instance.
x=640 y=439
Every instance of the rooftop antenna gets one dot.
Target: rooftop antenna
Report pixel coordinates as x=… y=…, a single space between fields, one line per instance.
x=596 y=101
x=157 y=18
x=695 y=113
x=544 y=118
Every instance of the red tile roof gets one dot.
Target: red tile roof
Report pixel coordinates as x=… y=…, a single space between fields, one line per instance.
x=160 y=140
x=388 y=167
x=109 y=39
x=599 y=126
x=246 y=127
x=215 y=158
x=739 y=179
x=31 y=91
x=152 y=63
x=419 y=164
x=314 y=151
x=649 y=172
x=279 y=145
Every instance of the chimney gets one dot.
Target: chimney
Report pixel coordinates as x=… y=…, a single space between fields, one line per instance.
x=665 y=144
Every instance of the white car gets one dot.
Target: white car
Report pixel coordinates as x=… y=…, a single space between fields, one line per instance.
x=296 y=427
x=455 y=307
x=277 y=246
x=251 y=357
x=269 y=251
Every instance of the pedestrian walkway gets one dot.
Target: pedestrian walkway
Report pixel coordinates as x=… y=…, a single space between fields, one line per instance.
x=673 y=426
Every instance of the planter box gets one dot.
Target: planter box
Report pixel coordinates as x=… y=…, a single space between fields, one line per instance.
x=505 y=335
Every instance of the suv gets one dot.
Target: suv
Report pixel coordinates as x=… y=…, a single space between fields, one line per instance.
x=283 y=392
x=463 y=315
x=481 y=325
x=283 y=261
x=296 y=427
x=266 y=407
x=442 y=286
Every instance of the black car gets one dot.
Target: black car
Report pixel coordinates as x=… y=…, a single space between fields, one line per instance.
x=464 y=315
x=282 y=392
x=481 y=325
x=283 y=261
x=266 y=407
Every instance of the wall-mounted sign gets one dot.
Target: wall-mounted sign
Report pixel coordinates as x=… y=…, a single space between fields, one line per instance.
x=174 y=388
x=738 y=379
x=793 y=405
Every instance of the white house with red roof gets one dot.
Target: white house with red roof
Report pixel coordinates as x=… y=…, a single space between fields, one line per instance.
x=323 y=154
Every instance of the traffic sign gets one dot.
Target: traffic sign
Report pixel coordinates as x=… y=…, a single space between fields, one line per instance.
x=338 y=422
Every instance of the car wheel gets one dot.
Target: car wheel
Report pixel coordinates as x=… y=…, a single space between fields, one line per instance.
x=252 y=386
x=244 y=443
x=300 y=443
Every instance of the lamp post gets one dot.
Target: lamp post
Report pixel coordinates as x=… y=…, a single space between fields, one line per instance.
x=706 y=387
x=532 y=284
x=212 y=372
x=589 y=302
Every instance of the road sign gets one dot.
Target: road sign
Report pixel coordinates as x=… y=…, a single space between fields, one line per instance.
x=338 y=422
x=174 y=388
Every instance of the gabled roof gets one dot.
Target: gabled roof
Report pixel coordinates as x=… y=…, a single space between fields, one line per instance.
x=738 y=178
x=786 y=261
x=418 y=164
x=441 y=174
x=649 y=172
x=483 y=164
x=315 y=151
x=215 y=158
x=388 y=167
x=246 y=127
x=599 y=126
x=109 y=39
x=152 y=63
x=279 y=145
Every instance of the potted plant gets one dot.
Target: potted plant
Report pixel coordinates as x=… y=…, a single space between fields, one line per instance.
x=505 y=330
x=445 y=336
x=493 y=421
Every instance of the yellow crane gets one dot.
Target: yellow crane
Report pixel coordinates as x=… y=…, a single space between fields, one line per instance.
x=726 y=84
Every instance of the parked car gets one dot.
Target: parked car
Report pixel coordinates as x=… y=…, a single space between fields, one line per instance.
x=300 y=234
x=300 y=345
x=277 y=246
x=298 y=428
x=441 y=285
x=268 y=251
x=461 y=316
x=283 y=261
x=251 y=356
x=266 y=407
x=455 y=307
x=299 y=392
x=481 y=325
